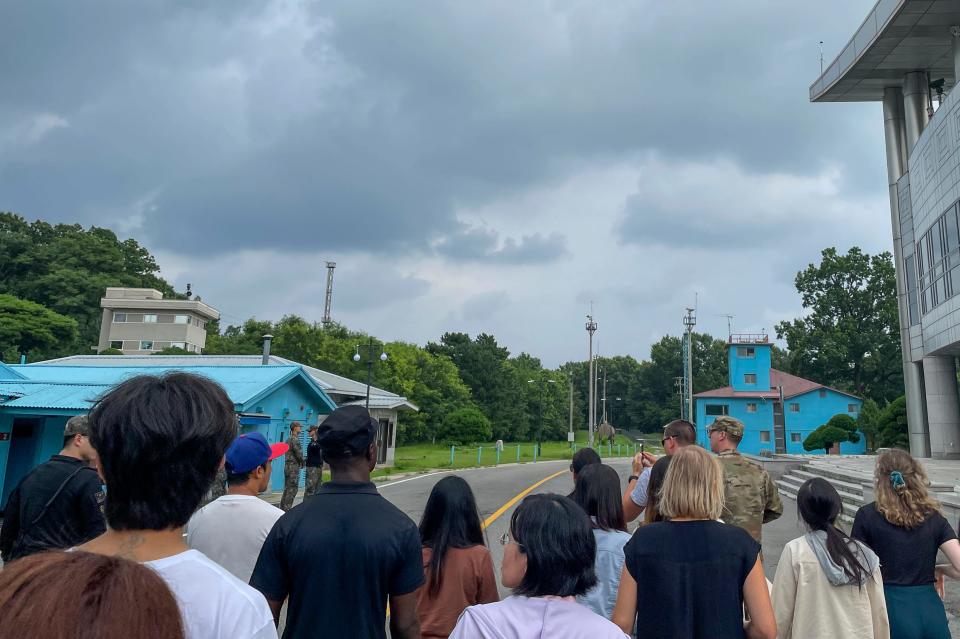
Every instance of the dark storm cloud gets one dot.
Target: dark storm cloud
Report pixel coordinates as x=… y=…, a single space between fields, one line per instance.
x=358 y=125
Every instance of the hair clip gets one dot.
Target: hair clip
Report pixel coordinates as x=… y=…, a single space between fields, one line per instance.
x=896 y=478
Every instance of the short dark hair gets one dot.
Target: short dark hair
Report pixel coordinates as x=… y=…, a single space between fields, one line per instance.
x=67 y=439
x=160 y=441
x=240 y=479
x=557 y=538
x=583 y=458
x=598 y=493
x=684 y=432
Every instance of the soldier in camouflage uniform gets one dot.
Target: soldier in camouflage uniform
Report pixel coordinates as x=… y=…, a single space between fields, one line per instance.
x=291 y=467
x=314 y=464
x=750 y=496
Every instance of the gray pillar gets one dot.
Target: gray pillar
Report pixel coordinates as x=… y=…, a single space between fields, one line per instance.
x=916 y=102
x=943 y=406
x=955 y=33
x=894 y=136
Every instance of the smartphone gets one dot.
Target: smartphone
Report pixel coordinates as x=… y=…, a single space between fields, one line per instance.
x=641 y=448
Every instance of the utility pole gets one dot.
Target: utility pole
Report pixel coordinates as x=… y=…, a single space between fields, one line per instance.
x=678 y=384
x=327 y=320
x=572 y=436
x=689 y=322
x=591 y=414
x=604 y=400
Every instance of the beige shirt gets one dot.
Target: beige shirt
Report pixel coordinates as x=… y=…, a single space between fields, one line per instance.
x=808 y=606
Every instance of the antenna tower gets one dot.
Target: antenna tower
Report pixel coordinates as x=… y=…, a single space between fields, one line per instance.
x=687 y=408
x=329 y=299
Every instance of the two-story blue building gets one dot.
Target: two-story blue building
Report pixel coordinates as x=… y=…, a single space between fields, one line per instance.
x=778 y=410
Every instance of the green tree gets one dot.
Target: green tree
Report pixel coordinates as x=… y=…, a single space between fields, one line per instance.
x=868 y=422
x=466 y=426
x=173 y=350
x=67 y=269
x=893 y=425
x=33 y=330
x=849 y=337
x=840 y=428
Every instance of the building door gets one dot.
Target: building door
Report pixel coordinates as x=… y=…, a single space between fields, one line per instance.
x=779 y=430
x=384 y=437
x=24 y=439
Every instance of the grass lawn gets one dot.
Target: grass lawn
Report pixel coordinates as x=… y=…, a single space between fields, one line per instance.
x=417 y=457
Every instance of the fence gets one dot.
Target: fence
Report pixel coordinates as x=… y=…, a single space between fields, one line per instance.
x=469 y=456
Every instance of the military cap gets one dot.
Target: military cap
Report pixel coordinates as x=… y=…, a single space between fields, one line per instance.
x=727 y=424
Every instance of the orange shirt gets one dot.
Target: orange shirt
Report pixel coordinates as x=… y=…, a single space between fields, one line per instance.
x=468 y=580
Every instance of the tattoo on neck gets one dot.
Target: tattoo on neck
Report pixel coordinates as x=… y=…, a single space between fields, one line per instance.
x=129 y=545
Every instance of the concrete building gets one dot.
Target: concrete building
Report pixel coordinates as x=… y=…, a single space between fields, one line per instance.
x=385 y=406
x=757 y=395
x=903 y=53
x=37 y=399
x=139 y=320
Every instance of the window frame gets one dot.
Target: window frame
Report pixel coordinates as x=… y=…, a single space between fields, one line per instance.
x=765 y=436
x=752 y=407
x=793 y=407
x=746 y=379
x=724 y=408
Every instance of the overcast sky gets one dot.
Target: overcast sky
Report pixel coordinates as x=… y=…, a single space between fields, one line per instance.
x=472 y=166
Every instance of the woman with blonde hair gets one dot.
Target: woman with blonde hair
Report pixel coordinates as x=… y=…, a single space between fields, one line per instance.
x=690 y=575
x=905 y=528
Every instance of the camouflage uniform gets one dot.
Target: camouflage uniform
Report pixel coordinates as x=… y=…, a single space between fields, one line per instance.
x=313 y=481
x=291 y=473
x=750 y=496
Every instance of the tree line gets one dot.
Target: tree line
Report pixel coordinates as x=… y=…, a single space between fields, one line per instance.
x=53 y=276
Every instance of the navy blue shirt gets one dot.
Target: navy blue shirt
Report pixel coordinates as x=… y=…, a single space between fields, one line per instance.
x=339 y=556
x=690 y=577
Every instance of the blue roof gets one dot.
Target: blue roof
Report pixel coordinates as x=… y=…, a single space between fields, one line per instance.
x=75 y=387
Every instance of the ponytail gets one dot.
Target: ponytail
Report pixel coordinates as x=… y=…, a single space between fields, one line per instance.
x=818 y=504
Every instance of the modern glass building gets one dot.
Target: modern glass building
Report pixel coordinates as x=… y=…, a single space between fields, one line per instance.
x=906 y=54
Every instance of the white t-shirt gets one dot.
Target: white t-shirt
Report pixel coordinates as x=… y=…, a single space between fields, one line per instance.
x=214 y=603
x=231 y=530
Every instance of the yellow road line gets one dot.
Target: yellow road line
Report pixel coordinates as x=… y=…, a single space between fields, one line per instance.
x=496 y=515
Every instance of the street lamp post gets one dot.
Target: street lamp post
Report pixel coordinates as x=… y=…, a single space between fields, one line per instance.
x=369 y=349
x=591 y=415
x=541 y=383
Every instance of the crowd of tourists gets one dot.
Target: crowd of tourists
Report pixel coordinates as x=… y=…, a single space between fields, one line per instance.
x=108 y=540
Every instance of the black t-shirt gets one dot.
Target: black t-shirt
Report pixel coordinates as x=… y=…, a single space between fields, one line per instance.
x=57 y=505
x=338 y=556
x=908 y=557
x=690 y=577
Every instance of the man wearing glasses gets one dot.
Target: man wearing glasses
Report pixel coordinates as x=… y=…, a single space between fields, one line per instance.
x=58 y=505
x=676 y=435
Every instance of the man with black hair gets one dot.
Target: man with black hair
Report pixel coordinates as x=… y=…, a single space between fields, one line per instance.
x=231 y=529
x=58 y=504
x=343 y=553
x=159 y=443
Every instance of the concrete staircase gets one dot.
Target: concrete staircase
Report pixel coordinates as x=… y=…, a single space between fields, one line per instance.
x=849 y=487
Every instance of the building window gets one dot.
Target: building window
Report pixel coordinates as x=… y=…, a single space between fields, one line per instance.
x=117 y=344
x=182 y=345
x=823 y=393
x=150 y=319
x=717 y=409
x=751 y=407
x=119 y=318
x=749 y=378
x=851 y=408
x=764 y=436
x=746 y=351
x=795 y=437
x=146 y=345
x=181 y=319
x=794 y=408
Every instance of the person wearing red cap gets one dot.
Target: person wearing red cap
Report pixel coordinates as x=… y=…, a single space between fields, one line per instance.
x=231 y=529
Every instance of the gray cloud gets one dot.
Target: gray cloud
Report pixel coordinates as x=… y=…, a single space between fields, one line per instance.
x=483 y=244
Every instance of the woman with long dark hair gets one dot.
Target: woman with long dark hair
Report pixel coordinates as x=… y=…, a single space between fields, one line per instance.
x=827 y=584
x=905 y=527
x=456 y=561
x=651 y=513
x=598 y=493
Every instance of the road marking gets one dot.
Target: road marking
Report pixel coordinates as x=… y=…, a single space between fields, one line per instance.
x=496 y=515
x=400 y=481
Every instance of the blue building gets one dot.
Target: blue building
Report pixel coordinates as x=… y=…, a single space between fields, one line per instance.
x=37 y=400
x=757 y=395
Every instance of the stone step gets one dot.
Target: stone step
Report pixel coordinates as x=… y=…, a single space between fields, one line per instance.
x=831 y=472
x=793 y=482
x=846 y=515
x=839 y=484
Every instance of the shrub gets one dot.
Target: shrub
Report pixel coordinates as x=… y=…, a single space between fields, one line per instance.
x=465 y=426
